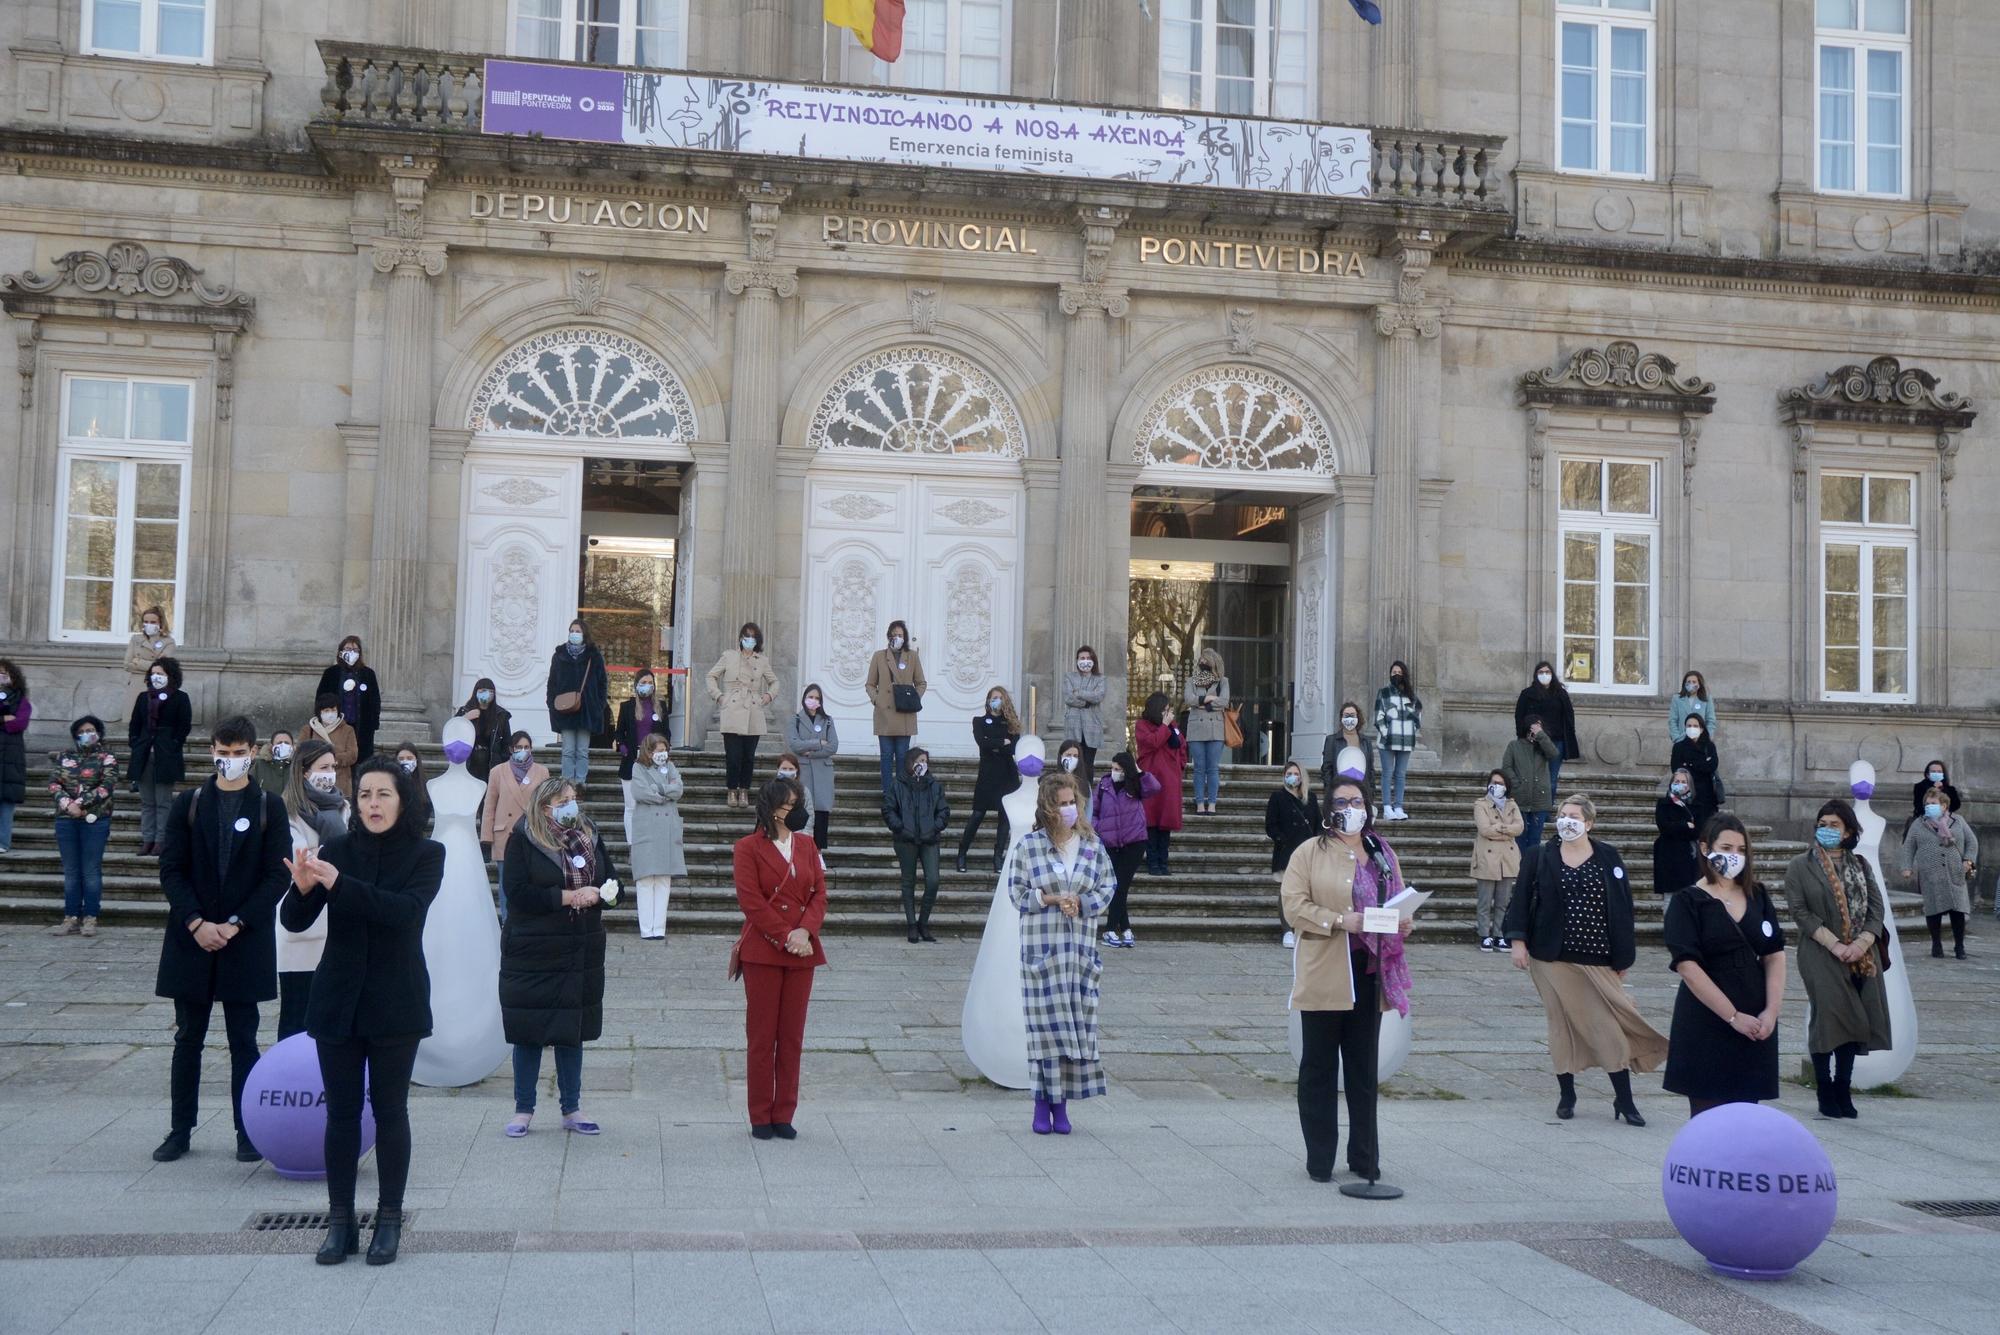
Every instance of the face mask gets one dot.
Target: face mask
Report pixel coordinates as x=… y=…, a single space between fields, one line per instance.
x=644 y=688
x=458 y=752
x=1544 y=678
x=523 y=755
x=1352 y=820
x=788 y=774
x=1497 y=792
x=159 y=680
x=812 y=704
x=1679 y=790
x=1694 y=734
x=795 y=819
x=1349 y=722
x=349 y=657
x=1828 y=837
x=660 y=760
x=330 y=720
x=920 y=769
x=1689 y=688
x=1117 y=776
x=1069 y=764
x=152 y=629
x=1569 y=827
x=86 y=739
x=323 y=779
x=1726 y=865
x=1935 y=776
x=1084 y=665
x=564 y=812
x=484 y=697
x=993 y=704
x=576 y=637
x=1933 y=811
x=1068 y=813
x=281 y=750
x=409 y=766
x=232 y=768
x=1396 y=678
x=1291 y=781
x=895 y=641
x=749 y=643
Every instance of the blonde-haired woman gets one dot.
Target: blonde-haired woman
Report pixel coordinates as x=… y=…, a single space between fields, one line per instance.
x=1207 y=697
x=994 y=733
x=319 y=815
x=151 y=642
x=1061 y=880
x=552 y=949
x=653 y=824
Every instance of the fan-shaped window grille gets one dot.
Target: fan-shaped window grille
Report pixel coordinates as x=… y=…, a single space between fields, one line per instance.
x=1238 y=419
x=919 y=401
x=583 y=383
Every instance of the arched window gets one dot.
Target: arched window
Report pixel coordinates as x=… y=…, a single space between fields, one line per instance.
x=583 y=383
x=915 y=400
x=1239 y=419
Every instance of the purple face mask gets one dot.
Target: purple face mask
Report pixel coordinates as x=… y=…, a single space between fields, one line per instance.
x=1864 y=791
x=458 y=752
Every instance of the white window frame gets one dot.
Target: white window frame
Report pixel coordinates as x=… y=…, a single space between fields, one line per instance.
x=1607 y=527
x=1602 y=19
x=572 y=22
x=149 y=36
x=128 y=454
x=1870 y=537
x=858 y=64
x=1861 y=41
x=1262 y=76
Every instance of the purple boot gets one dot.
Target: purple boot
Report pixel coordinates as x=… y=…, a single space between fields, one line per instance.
x=1041 y=1116
x=1059 y=1117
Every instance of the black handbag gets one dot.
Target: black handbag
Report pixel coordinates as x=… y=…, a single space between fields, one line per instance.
x=905 y=698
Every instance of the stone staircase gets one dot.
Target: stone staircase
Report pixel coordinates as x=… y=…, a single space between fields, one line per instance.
x=1221 y=886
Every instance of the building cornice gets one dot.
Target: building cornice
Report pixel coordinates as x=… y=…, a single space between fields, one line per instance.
x=1714 y=273
x=154 y=161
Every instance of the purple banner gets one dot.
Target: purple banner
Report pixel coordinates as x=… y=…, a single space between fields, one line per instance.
x=557 y=101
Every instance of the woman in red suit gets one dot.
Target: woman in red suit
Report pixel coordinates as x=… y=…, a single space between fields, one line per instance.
x=1163 y=754
x=781 y=885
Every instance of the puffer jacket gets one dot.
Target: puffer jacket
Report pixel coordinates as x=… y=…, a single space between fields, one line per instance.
x=916 y=810
x=551 y=958
x=1118 y=817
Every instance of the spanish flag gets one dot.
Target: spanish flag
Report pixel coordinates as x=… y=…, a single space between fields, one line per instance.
x=876 y=24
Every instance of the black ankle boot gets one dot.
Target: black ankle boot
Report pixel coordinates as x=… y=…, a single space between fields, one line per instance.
x=960 y=864
x=1566 y=1105
x=1622 y=1106
x=1823 y=1085
x=388 y=1236
x=342 y=1240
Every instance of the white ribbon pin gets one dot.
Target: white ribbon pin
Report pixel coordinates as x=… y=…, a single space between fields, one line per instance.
x=347 y=685
x=576 y=860
x=242 y=824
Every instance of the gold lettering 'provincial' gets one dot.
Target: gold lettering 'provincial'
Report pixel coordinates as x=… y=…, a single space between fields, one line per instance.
x=838 y=229
x=625 y=215
x=1196 y=252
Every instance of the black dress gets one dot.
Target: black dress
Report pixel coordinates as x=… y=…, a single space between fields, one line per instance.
x=1706 y=1059
x=1675 y=866
x=998 y=775
x=1698 y=758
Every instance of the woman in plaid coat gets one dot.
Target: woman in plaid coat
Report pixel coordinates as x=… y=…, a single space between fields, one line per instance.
x=1060 y=878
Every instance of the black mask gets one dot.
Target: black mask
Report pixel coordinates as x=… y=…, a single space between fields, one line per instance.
x=795 y=819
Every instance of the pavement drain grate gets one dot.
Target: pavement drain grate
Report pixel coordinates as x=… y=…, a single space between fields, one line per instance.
x=309 y=1221
x=1956 y=1209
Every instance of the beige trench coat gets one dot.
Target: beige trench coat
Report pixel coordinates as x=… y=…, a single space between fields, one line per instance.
x=885 y=672
x=1495 y=855
x=1317 y=889
x=742 y=682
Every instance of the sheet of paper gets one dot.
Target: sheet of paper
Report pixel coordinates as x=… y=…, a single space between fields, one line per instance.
x=1380 y=920
x=1409 y=901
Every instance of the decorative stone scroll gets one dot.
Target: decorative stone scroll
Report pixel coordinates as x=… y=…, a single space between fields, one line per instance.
x=1616 y=378
x=919 y=400
x=1236 y=419
x=583 y=383
x=1885 y=395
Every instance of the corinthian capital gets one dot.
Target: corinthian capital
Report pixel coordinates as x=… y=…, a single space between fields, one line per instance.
x=780 y=280
x=764 y=202
x=1100 y=225
x=1075 y=298
x=1399 y=321
x=402 y=255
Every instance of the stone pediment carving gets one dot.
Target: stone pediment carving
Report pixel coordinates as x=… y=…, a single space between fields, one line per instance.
x=124 y=269
x=1619 y=377
x=1882 y=393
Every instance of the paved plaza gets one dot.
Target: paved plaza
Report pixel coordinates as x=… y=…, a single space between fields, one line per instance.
x=916 y=1198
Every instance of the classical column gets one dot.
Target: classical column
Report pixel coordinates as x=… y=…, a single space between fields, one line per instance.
x=758 y=284
x=1091 y=305
x=1392 y=556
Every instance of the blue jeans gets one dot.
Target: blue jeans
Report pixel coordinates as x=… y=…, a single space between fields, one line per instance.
x=1531 y=829
x=893 y=750
x=575 y=754
x=1555 y=772
x=1207 y=758
x=528 y=1072
x=81 y=844
x=1395 y=771
x=7 y=824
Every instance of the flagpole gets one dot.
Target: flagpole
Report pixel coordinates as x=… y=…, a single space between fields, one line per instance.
x=1055 y=72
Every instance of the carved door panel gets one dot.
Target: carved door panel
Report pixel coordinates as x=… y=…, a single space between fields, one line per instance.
x=1314 y=629
x=966 y=611
x=856 y=581
x=517 y=576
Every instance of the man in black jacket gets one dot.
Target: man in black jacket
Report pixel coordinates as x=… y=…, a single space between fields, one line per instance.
x=222 y=869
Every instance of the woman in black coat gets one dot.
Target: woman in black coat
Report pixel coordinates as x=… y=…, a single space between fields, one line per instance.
x=1674 y=862
x=371 y=994
x=578 y=681
x=492 y=725
x=552 y=949
x=1548 y=698
x=1695 y=753
x=1935 y=776
x=639 y=717
x=994 y=733
x=156 y=732
x=1291 y=816
x=15 y=714
x=350 y=678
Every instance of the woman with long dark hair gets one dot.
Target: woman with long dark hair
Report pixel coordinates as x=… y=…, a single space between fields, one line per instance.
x=319 y=814
x=1838 y=907
x=741 y=684
x=370 y=1003
x=812 y=737
x=781 y=887
x=896 y=687
x=491 y=724
x=639 y=717
x=358 y=694
x=1548 y=699
x=156 y=731
x=579 y=693
x=994 y=733
x=1162 y=751
x=1692 y=702
x=1399 y=719
x=1118 y=814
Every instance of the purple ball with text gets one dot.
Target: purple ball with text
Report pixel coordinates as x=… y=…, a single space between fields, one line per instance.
x=284 y=1110
x=1750 y=1189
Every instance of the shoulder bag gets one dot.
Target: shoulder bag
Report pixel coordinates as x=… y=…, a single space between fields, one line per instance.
x=1232 y=727
x=905 y=698
x=568 y=702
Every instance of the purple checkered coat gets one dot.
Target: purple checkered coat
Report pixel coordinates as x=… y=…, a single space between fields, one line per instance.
x=1060 y=965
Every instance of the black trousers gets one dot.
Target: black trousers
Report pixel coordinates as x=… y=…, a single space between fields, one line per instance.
x=820 y=819
x=239 y=1021
x=972 y=825
x=739 y=757
x=1157 y=842
x=387 y=1065
x=909 y=854
x=1088 y=755
x=1337 y=1040
x=1124 y=865
x=294 y=990
x=1935 y=921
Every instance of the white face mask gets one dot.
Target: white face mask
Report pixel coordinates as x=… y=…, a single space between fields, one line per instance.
x=1544 y=678
x=159 y=680
x=644 y=688
x=1935 y=776
x=788 y=774
x=895 y=641
x=152 y=630
x=1069 y=763
x=1694 y=733
x=409 y=766
x=1727 y=865
x=1084 y=665
x=323 y=779
x=1497 y=792
x=660 y=760
x=349 y=657
x=1569 y=828
x=749 y=642
x=85 y=740
x=1689 y=688
x=486 y=697
x=281 y=750
x=1349 y=722
x=1352 y=820
x=920 y=769
x=993 y=704
x=1292 y=781
x=524 y=756
x=1117 y=776
x=232 y=768
x=329 y=720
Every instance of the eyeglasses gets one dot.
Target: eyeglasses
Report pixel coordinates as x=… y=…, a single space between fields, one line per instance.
x=1345 y=803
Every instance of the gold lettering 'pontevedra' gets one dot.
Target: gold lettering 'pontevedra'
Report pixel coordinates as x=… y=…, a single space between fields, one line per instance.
x=1206 y=253
x=629 y=215
x=924 y=234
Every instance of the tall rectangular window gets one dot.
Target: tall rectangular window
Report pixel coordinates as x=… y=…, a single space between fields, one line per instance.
x=648 y=33
x=1239 y=57
x=1868 y=562
x=1608 y=540
x=1604 y=98
x=177 y=30
x=123 y=463
x=1862 y=67
x=957 y=46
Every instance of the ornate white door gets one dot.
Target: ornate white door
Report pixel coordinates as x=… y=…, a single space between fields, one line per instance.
x=936 y=545
x=517 y=575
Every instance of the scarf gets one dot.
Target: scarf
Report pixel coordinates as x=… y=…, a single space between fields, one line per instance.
x=154 y=701
x=1849 y=878
x=1942 y=827
x=1385 y=950
x=571 y=844
x=1204 y=675
x=325 y=733
x=325 y=816
x=575 y=650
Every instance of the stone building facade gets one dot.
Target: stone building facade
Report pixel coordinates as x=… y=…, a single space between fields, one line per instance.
x=1662 y=340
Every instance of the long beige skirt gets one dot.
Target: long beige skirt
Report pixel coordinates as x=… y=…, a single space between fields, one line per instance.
x=1592 y=1022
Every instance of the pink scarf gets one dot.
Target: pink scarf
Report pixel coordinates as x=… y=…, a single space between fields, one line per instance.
x=1385 y=949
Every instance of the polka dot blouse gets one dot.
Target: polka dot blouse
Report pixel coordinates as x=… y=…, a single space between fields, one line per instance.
x=1586 y=932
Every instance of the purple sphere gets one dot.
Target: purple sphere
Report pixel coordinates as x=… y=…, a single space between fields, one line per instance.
x=284 y=1110
x=1031 y=766
x=1750 y=1189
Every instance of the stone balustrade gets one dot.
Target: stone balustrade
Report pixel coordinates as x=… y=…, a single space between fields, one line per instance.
x=1433 y=167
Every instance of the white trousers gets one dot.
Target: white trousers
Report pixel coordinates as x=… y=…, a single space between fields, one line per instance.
x=653 y=892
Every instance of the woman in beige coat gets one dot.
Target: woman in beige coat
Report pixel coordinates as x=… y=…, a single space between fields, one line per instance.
x=1496 y=857
x=893 y=666
x=741 y=683
x=150 y=643
x=510 y=791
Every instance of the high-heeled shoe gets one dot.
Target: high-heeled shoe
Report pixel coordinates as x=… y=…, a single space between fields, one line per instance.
x=342 y=1240
x=387 y=1238
x=1566 y=1106
x=1627 y=1112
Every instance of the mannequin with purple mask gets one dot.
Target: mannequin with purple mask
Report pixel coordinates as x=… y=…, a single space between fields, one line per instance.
x=461 y=933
